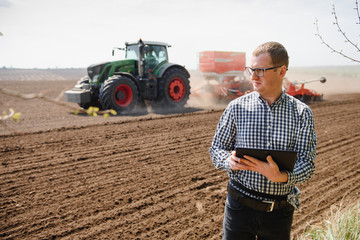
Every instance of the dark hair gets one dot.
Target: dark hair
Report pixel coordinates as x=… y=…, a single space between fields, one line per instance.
x=277 y=51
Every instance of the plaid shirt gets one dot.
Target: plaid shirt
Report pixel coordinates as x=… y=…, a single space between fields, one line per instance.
x=250 y=122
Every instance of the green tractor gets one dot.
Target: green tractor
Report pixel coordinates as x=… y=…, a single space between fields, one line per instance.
x=144 y=75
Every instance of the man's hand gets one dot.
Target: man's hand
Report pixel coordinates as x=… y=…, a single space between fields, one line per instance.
x=237 y=163
x=269 y=169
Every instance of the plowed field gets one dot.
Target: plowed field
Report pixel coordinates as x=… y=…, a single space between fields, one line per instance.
x=64 y=176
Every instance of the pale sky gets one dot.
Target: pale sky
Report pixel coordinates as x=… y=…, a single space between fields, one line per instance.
x=77 y=33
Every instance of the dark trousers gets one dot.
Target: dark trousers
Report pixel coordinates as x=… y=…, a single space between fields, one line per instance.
x=241 y=222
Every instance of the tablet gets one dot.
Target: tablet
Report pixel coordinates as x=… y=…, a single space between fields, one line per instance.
x=284 y=159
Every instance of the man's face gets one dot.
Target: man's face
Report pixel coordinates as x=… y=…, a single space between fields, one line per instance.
x=271 y=83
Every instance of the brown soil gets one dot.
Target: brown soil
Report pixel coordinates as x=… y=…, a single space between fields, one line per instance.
x=147 y=176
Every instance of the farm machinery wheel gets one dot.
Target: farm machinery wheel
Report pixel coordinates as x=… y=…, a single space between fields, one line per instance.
x=119 y=93
x=174 y=90
x=309 y=98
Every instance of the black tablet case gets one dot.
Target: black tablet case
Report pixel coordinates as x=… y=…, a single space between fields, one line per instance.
x=284 y=159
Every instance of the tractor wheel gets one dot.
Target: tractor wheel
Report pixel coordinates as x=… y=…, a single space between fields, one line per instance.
x=174 y=90
x=119 y=93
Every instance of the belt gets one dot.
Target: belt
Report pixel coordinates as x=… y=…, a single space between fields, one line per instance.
x=258 y=194
x=264 y=206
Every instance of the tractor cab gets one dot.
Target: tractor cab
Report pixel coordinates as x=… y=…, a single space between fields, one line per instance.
x=154 y=55
x=150 y=56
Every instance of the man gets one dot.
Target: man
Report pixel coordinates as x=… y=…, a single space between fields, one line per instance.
x=261 y=199
x=150 y=60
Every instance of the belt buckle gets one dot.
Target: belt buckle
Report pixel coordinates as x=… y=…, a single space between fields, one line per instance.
x=271 y=206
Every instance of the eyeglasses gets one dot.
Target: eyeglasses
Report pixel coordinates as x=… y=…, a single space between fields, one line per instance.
x=260 y=72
